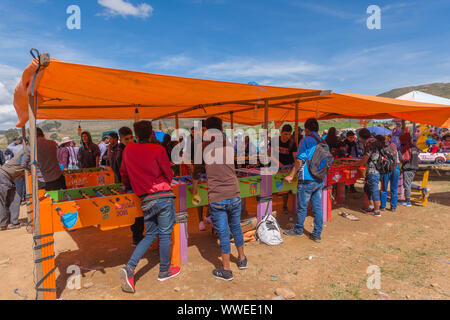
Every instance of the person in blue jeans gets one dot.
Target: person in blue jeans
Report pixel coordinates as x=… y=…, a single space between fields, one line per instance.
x=309 y=189
x=392 y=179
x=223 y=195
x=145 y=168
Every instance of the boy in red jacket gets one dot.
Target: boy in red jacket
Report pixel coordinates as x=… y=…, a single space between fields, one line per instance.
x=146 y=169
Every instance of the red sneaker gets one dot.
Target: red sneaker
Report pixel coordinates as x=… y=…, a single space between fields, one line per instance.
x=127 y=279
x=172 y=273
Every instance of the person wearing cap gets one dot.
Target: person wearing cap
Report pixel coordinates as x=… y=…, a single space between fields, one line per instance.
x=65 y=152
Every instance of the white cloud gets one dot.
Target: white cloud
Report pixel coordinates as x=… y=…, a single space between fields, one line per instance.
x=9 y=77
x=252 y=68
x=124 y=8
x=170 y=62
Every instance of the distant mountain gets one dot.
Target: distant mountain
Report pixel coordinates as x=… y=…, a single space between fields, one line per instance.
x=437 y=89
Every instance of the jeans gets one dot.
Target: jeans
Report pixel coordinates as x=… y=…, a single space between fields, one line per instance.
x=408 y=178
x=391 y=178
x=226 y=215
x=371 y=187
x=309 y=190
x=159 y=217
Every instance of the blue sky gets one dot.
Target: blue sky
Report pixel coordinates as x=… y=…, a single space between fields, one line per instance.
x=295 y=43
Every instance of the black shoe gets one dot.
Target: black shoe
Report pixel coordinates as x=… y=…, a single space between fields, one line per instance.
x=292 y=232
x=242 y=264
x=315 y=238
x=222 y=274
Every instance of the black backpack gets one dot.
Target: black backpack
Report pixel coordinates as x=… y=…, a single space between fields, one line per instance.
x=321 y=161
x=386 y=160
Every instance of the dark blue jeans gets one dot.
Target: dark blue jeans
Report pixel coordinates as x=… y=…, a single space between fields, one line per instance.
x=391 y=178
x=159 y=218
x=306 y=191
x=226 y=215
x=371 y=187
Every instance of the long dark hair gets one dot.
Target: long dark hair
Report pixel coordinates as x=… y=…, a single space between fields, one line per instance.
x=332 y=139
x=89 y=138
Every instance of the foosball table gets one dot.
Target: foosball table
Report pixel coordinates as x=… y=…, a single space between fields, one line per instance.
x=342 y=173
x=81 y=178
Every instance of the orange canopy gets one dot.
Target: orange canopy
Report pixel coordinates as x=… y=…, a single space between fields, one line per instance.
x=73 y=91
x=80 y=92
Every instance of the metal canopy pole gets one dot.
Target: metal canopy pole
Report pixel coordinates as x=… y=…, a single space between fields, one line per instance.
x=232 y=126
x=296 y=123
x=27 y=182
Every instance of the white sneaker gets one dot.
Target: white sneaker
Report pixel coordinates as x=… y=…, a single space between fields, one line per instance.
x=201 y=226
x=208 y=220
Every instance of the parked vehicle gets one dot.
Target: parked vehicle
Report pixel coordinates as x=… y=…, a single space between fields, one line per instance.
x=437 y=158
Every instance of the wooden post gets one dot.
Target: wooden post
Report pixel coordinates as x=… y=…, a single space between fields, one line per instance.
x=296 y=123
x=27 y=182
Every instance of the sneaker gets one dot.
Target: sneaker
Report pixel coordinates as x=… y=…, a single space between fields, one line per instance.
x=315 y=238
x=374 y=214
x=14 y=226
x=382 y=209
x=201 y=226
x=242 y=264
x=127 y=279
x=222 y=274
x=208 y=220
x=368 y=210
x=172 y=273
x=405 y=203
x=286 y=211
x=292 y=232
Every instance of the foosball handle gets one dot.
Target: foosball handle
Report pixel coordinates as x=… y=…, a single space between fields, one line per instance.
x=116 y=204
x=59 y=212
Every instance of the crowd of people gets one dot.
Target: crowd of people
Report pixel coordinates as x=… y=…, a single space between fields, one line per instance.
x=143 y=165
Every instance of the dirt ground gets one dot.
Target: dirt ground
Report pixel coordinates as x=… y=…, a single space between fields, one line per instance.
x=411 y=247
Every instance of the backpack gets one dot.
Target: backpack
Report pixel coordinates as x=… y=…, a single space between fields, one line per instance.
x=386 y=159
x=321 y=161
x=268 y=230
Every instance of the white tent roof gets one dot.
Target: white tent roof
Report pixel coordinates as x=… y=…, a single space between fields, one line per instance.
x=419 y=96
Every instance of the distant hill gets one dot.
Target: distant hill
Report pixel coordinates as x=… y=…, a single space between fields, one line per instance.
x=437 y=89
